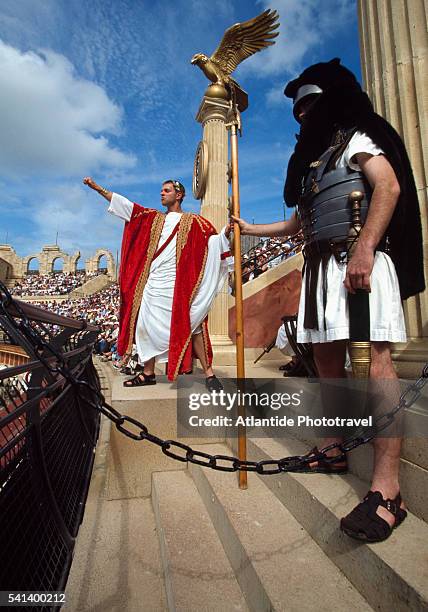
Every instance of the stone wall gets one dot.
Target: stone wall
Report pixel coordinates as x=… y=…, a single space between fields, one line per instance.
x=13 y=267
x=267 y=298
x=5 y=270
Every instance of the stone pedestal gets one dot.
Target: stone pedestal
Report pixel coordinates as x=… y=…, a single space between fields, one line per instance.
x=394 y=50
x=212 y=115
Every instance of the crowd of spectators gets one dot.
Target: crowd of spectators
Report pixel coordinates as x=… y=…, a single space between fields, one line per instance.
x=98 y=309
x=56 y=283
x=267 y=254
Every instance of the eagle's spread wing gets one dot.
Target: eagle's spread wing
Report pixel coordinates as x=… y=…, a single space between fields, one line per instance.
x=244 y=39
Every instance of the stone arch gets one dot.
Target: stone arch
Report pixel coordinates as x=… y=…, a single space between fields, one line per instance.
x=28 y=261
x=92 y=262
x=100 y=262
x=54 y=260
x=49 y=254
x=73 y=261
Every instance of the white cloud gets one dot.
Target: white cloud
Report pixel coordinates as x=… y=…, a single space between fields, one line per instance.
x=53 y=122
x=304 y=25
x=275 y=95
x=66 y=207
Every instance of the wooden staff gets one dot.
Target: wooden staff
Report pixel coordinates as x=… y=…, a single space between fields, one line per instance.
x=240 y=363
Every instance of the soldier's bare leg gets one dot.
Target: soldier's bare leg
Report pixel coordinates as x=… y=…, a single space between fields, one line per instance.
x=386 y=449
x=330 y=361
x=330 y=358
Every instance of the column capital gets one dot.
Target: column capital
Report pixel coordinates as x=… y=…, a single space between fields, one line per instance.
x=212 y=108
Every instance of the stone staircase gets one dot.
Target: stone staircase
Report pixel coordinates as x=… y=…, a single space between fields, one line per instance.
x=93 y=285
x=199 y=543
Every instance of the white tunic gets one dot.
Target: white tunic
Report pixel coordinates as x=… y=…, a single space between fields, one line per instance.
x=386 y=312
x=154 y=318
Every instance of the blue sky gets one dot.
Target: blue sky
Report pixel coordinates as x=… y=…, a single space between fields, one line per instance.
x=105 y=88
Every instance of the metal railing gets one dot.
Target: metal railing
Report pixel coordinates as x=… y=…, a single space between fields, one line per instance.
x=47 y=441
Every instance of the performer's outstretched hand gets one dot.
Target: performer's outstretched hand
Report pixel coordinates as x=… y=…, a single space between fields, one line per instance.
x=90 y=182
x=93 y=185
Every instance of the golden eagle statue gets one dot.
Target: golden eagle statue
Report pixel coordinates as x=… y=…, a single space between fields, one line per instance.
x=239 y=42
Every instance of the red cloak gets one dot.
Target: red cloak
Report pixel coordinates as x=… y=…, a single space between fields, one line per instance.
x=139 y=245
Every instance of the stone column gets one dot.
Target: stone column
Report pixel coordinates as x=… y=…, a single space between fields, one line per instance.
x=394 y=49
x=212 y=115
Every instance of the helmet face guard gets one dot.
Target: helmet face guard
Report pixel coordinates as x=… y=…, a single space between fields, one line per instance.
x=303 y=92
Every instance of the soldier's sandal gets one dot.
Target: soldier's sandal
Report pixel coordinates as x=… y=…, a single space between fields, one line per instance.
x=363 y=523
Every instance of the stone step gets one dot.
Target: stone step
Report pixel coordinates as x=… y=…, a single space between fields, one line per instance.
x=413 y=473
x=131 y=463
x=414 y=424
x=198 y=575
x=392 y=575
x=277 y=564
x=116 y=560
x=414 y=452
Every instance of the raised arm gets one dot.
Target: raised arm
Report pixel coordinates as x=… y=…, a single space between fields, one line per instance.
x=281 y=228
x=119 y=206
x=93 y=185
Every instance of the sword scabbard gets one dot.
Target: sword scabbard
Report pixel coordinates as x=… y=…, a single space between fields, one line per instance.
x=358 y=303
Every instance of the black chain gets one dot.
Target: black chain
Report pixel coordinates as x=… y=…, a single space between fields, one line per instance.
x=132 y=428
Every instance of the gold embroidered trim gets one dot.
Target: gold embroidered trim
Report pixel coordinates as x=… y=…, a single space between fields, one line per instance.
x=155 y=233
x=145 y=211
x=180 y=359
x=204 y=223
x=195 y=288
x=205 y=339
x=183 y=232
x=203 y=226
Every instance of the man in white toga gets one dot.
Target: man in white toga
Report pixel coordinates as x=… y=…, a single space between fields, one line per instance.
x=172 y=267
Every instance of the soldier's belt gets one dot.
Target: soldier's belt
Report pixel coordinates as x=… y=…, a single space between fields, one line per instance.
x=322 y=247
x=338 y=249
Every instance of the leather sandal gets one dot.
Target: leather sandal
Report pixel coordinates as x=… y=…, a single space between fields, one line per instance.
x=137 y=381
x=363 y=523
x=325 y=467
x=212 y=383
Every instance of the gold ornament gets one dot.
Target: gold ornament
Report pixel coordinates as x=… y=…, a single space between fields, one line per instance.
x=200 y=170
x=239 y=42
